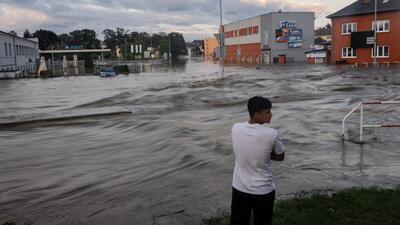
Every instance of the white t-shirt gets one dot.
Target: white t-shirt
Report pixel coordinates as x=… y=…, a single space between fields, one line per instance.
x=252 y=146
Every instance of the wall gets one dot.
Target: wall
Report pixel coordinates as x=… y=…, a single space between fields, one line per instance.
x=27 y=54
x=271 y=22
x=209 y=47
x=364 y=23
x=24 y=53
x=7 y=61
x=248 y=39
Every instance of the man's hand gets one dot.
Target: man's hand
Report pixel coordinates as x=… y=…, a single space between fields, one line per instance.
x=276 y=157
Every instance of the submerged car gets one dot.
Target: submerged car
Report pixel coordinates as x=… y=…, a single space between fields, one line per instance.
x=107 y=71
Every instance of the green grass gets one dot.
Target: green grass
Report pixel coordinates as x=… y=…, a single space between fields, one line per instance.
x=351 y=207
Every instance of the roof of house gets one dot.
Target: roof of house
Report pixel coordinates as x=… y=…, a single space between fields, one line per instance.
x=34 y=40
x=366 y=7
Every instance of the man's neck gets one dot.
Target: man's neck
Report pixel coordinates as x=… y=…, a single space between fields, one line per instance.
x=251 y=121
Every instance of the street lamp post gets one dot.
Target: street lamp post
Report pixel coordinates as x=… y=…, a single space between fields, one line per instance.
x=238 y=37
x=169 y=46
x=221 y=40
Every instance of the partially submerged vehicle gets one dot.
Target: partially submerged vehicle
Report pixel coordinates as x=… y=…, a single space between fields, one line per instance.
x=106 y=71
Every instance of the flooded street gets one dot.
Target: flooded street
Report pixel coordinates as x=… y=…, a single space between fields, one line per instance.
x=170 y=161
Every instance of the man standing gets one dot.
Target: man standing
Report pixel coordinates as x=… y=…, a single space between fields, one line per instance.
x=254 y=146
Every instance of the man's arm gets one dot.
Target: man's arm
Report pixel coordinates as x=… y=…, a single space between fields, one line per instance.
x=278 y=151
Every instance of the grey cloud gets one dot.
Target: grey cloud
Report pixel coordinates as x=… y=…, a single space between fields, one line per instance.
x=141 y=15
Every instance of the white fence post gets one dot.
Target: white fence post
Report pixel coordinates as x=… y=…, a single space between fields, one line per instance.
x=362 y=126
x=361 y=122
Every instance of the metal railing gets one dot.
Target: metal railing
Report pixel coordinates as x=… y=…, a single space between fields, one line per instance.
x=362 y=125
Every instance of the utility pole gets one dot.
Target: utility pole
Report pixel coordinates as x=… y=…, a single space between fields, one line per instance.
x=169 y=47
x=375 y=51
x=221 y=37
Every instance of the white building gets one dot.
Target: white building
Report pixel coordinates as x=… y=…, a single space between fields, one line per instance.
x=18 y=54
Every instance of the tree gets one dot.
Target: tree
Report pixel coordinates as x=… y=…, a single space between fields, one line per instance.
x=47 y=38
x=326 y=30
x=114 y=38
x=86 y=38
x=178 y=44
x=27 y=34
x=65 y=40
x=110 y=38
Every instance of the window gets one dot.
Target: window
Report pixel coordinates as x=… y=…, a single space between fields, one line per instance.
x=383 y=52
x=347 y=28
x=9 y=49
x=5 y=48
x=255 y=30
x=382 y=25
x=348 y=53
x=250 y=30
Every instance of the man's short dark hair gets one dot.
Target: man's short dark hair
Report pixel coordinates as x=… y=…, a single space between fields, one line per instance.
x=258 y=104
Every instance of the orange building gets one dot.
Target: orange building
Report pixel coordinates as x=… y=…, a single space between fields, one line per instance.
x=353 y=32
x=210 y=44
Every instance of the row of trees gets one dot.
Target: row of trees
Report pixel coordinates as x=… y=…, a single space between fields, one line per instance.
x=113 y=39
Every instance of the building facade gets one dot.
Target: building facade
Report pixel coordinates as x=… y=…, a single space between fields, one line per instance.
x=266 y=38
x=353 y=32
x=210 y=44
x=18 y=54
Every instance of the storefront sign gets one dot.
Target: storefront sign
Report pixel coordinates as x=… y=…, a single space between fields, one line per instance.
x=287 y=24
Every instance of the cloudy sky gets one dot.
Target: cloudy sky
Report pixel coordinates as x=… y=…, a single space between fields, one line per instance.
x=194 y=18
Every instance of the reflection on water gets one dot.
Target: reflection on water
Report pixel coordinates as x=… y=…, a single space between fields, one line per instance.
x=170 y=160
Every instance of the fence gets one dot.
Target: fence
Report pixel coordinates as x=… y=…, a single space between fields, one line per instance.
x=362 y=125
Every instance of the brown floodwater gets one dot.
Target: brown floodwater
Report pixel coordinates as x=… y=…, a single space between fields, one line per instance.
x=70 y=154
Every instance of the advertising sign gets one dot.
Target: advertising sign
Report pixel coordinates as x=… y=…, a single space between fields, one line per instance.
x=364 y=39
x=295 y=38
x=282 y=35
x=287 y=24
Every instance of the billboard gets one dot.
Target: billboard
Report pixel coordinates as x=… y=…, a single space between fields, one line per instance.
x=295 y=38
x=282 y=35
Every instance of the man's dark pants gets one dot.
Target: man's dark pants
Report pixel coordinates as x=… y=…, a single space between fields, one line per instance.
x=243 y=203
